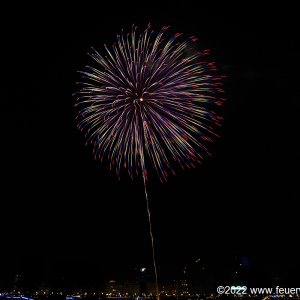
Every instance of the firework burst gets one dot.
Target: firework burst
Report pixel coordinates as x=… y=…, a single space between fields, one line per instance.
x=150 y=98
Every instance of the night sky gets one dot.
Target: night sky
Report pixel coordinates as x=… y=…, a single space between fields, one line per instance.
x=60 y=208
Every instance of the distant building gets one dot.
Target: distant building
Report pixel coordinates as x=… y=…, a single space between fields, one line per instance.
x=112 y=288
x=131 y=288
x=184 y=288
x=143 y=282
x=170 y=288
x=151 y=288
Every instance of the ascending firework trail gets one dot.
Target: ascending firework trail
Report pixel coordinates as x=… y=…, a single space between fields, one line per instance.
x=150 y=99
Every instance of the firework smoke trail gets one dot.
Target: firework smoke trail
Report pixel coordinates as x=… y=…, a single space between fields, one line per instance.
x=152 y=239
x=151 y=100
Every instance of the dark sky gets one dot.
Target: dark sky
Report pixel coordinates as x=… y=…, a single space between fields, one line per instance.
x=59 y=205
